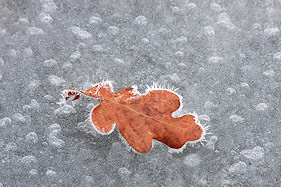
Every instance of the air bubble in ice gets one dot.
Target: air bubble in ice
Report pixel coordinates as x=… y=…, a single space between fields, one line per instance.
x=180 y=40
x=1 y=62
x=28 y=52
x=19 y=117
x=11 y=146
x=45 y=18
x=209 y=31
x=236 y=118
x=13 y=53
x=23 y=21
x=269 y=73
x=204 y=118
x=245 y=85
x=141 y=20
x=5 y=122
x=34 y=31
x=81 y=46
x=215 y=7
x=51 y=174
x=123 y=172
x=31 y=138
x=95 y=20
x=230 y=91
x=67 y=66
x=277 y=56
x=257 y=153
x=209 y=105
x=182 y=65
x=64 y=110
x=262 y=107
x=145 y=40
x=50 y=63
x=192 y=160
x=33 y=172
x=270 y=32
x=238 y=168
x=87 y=127
x=224 y=20
x=79 y=33
x=75 y=55
x=191 y=6
x=216 y=59
x=119 y=62
x=211 y=143
x=34 y=104
x=28 y=161
x=113 y=30
x=175 y=10
x=55 y=128
x=48 y=98
x=3 y=32
x=89 y=180
x=34 y=84
x=55 y=141
x=55 y=80
x=49 y=6
x=97 y=48
x=257 y=26
x=179 y=54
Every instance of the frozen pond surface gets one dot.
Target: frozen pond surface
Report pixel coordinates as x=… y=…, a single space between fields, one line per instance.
x=224 y=57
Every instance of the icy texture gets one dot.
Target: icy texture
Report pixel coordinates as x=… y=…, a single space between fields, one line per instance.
x=224 y=57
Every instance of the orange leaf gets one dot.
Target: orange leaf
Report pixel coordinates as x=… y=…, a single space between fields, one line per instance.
x=141 y=117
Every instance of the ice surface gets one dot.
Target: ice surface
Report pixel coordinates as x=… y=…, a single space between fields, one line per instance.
x=224 y=57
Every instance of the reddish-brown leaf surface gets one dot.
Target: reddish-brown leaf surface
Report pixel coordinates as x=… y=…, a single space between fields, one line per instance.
x=141 y=117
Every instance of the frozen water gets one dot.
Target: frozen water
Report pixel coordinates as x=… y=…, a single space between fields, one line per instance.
x=51 y=174
x=55 y=80
x=271 y=32
x=5 y=122
x=28 y=161
x=87 y=127
x=1 y=62
x=262 y=107
x=269 y=73
x=64 y=110
x=211 y=143
x=33 y=172
x=208 y=30
x=34 y=31
x=80 y=33
x=236 y=118
x=192 y=160
x=31 y=138
x=45 y=18
x=141 y=21
x=54 y=131
x=224 y=20
x=256 y=153
x=95 y=21
x=19 y=117
x=223 y=57
x=113 y=30
x=238 y=168
x=50 y=63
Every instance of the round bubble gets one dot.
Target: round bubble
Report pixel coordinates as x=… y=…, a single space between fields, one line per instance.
x=192 y=160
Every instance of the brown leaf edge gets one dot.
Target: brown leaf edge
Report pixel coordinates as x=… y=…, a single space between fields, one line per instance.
x=77 y=94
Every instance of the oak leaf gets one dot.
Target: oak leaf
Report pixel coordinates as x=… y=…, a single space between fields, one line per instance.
x=141 y=117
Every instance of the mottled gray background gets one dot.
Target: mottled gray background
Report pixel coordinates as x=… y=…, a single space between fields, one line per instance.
x=224 y=57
